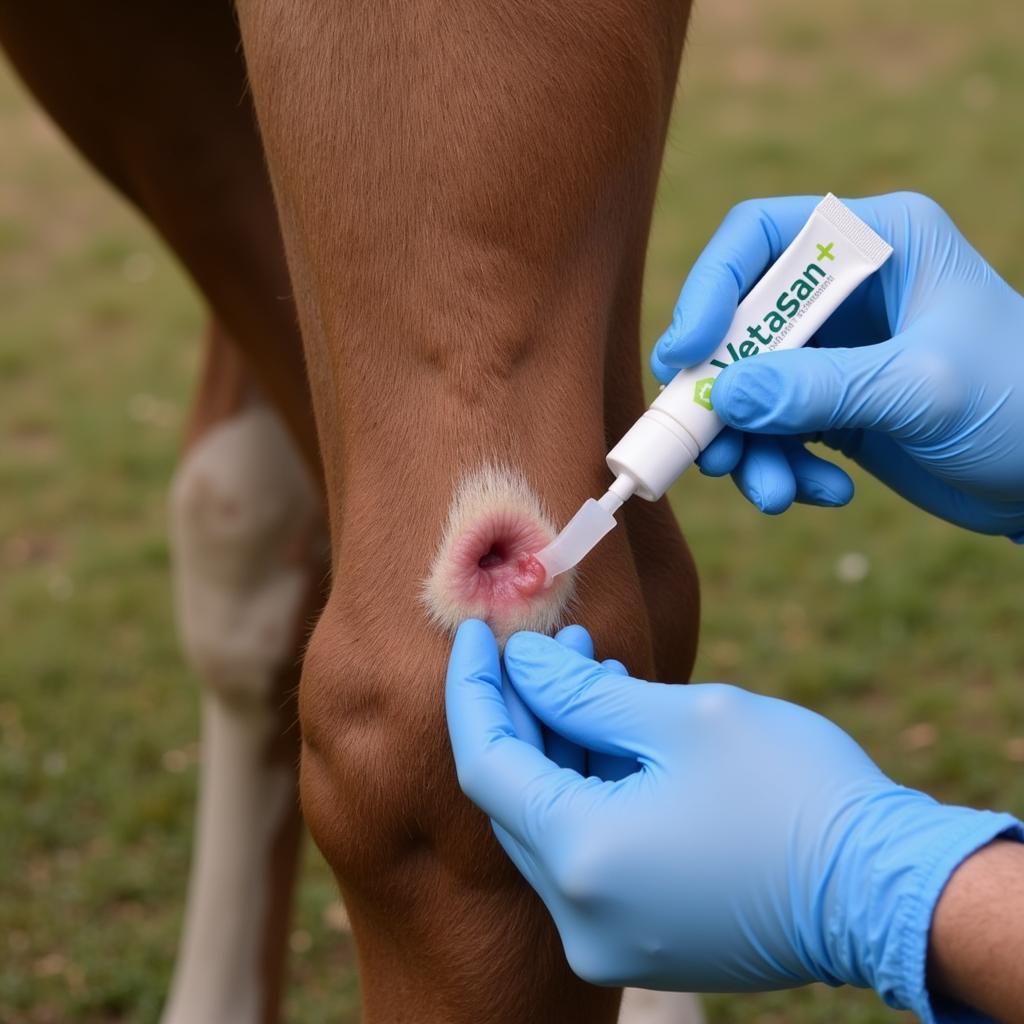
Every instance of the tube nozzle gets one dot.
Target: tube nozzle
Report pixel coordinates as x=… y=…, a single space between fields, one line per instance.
x=585 y=529
x=613 y=499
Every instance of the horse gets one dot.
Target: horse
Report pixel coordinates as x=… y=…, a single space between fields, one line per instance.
x=419 y=229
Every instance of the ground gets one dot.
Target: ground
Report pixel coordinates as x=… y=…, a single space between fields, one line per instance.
x=904 y=630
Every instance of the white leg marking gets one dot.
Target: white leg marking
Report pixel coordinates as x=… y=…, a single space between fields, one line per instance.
x=245 y=522
x=640 y=1006
x=241 y=800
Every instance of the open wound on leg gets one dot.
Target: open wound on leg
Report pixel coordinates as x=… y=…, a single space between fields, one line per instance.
x=485 y=567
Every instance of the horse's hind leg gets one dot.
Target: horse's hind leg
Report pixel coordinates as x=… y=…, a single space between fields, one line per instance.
x=154 y=96
x=248 y=548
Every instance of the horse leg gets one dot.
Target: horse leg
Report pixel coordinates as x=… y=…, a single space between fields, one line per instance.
x=154 y=96
x=465 y=191
x=249 y=558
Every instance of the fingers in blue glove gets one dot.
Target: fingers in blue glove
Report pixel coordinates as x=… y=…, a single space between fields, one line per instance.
x=611 y=665
x=805 y=391
x=818 y=481
x=774 y=472
x=565 y=752
x=495 y=767
x=561 y=750
x=764 y=475
x=599 y=709
x=723 y=454
x=576 y=638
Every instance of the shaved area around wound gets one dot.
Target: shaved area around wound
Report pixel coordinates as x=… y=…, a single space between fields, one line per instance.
x=485 y=566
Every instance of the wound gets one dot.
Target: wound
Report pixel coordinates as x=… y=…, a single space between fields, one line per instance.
x=486 y=565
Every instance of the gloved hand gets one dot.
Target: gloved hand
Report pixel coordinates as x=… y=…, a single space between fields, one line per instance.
x=919 y=376
x=755 y=846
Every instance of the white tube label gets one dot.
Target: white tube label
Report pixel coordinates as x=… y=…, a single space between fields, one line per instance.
x=834 y=251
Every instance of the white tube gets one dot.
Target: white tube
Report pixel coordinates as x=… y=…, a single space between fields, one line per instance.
x=833 y=253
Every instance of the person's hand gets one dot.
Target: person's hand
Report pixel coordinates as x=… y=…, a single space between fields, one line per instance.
x=919 y=376
x=753 y=846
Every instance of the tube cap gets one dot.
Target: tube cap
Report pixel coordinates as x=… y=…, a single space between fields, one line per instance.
x=654 y=452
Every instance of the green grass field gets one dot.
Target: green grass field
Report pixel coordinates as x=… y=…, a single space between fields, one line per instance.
x=904 y=630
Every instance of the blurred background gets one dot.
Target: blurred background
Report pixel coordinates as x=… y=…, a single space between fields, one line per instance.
x=904 y=630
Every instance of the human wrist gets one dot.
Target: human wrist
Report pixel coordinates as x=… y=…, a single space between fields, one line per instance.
x=890 y=869
x=977 y=933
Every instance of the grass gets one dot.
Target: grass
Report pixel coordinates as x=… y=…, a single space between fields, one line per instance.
x=902 y=629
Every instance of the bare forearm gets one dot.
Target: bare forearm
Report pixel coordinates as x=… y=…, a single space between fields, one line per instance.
x=976 y=953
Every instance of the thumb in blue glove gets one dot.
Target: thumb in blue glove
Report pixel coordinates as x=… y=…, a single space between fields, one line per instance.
x=756 y=846
x=919 y=376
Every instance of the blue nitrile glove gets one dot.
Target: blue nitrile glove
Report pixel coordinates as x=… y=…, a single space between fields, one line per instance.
x=919 y=377
x=756 y=846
